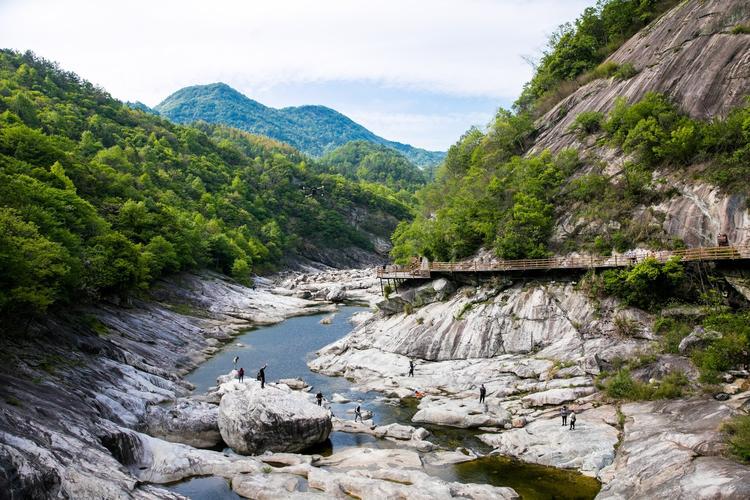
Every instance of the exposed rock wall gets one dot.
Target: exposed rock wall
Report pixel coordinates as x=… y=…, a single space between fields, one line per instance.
x=687 y=54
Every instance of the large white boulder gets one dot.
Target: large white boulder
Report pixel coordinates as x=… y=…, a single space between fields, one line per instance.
x=253 y=420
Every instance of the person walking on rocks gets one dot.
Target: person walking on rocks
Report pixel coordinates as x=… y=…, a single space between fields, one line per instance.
x=262 y=376
x=234 y=362
x=411 y=367
x=572 y=420
x=358 y=414
x=241 y=374
x=319 y=397
x=564 y=415
x=482 y=393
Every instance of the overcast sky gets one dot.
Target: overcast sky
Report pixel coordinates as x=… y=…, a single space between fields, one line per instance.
x=415 y=71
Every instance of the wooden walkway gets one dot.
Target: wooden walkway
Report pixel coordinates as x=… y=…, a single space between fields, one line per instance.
x=421 y=271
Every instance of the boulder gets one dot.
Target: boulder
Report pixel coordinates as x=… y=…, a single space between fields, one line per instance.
x=394 y=304
x=296 y=384
x=266 y=486
x=336 y=294
x=460 y=413
x=697 y=338
x=338 y=398
x=189 y=422
x=435 y=291
x=253 y=420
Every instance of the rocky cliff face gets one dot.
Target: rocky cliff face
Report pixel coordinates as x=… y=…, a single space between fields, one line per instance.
x=688 y=54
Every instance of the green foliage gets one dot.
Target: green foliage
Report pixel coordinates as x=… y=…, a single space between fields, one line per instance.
x=622 y=386
x=741 y=29
x=587 y=122
x=672 y=332
x=577 y=48
x=728 y=351
x=315 y=130
x=362 y=160
x=98 y=198
x=737 y=432
x=486 y=194
x=647 y=285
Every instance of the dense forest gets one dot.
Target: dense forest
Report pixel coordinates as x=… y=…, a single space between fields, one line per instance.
x=314 y=130
x=98 y=198
x=362 y=160
x=490 y=193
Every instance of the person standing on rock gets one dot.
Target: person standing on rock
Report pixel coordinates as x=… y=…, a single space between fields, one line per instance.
x=262 y=376
x=358 y=414
x=572 y=420
x=564 y=415
x=482 y=393
x=319 y=397
x=241 y=374
x=234 y=362
x=411 y=367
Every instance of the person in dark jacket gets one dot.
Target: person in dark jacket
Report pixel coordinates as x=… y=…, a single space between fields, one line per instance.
x=358 y=414
x=319 y=397
x=262 y=376
x=241 y=374
x=411 y=367
x=482 y=393
x=564 y=415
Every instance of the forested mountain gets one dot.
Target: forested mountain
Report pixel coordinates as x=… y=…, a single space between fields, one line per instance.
x=98 y=198
x=362 y=160
x=615 y=143
x=314 y=130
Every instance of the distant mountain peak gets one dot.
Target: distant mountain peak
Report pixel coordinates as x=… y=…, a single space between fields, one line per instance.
x=313 y=129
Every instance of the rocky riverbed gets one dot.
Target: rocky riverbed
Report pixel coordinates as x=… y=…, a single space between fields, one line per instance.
x=536 y=346
x=94 y=403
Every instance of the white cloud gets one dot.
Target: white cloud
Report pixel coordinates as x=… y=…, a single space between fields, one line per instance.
x=146 y=49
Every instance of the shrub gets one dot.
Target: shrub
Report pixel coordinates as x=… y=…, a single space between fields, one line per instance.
x=647 y=285
x=741 y=29
x=672 y=332
x=737 y=432
x=625 y=71
x=587 y=122
x=626 y=327
x=622 y=386
x=726 y=352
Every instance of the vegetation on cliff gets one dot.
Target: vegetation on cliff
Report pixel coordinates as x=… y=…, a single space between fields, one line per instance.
x=98 y=198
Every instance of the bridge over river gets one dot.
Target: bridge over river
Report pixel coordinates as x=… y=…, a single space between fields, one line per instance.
x=422 y=269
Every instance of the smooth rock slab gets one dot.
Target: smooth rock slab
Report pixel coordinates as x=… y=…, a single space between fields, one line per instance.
x=673 y=449
x=253 y=420
x=589 y=448
x=460 y=413
x=381 y=484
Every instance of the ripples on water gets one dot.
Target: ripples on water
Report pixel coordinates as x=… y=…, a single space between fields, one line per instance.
x=287 y=346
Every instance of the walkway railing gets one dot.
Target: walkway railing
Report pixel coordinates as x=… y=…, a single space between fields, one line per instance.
x=569 y=262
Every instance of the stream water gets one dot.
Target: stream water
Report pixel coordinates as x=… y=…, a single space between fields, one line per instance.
x=287 y=346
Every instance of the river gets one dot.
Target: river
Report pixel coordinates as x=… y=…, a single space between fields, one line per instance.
x=287 y=346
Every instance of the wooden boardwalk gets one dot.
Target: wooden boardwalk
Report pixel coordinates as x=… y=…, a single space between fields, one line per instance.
x=425 y=270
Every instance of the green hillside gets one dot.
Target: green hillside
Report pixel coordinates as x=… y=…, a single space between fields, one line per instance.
x=362 y=160
x=314 y=130
x=98 y=198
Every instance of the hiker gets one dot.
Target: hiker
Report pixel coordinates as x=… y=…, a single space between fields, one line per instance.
x=411 y=368
x=572 y=420
x=358 y=414
x=564 y=415
x=262 y=376
x=234 y=362
x=319 y=397
x=241 y=374
x=482 y=393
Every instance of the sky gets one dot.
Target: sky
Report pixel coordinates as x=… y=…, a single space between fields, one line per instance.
x=416 y=71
